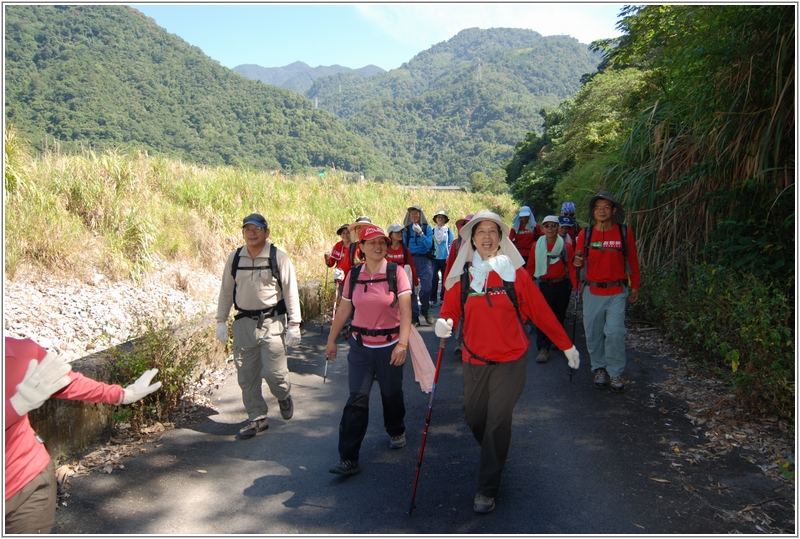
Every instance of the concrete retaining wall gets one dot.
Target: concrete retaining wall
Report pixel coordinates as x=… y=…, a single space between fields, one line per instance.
x=69 y=427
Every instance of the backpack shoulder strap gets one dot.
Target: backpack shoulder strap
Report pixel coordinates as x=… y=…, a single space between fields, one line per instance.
x=354 y=271
x=511 y=292
x=391 y=278
x=235 y=265
x=273 y=265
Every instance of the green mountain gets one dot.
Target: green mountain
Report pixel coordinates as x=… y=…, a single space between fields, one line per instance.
x=299 y=76
x=107 y=76
x=462 y=105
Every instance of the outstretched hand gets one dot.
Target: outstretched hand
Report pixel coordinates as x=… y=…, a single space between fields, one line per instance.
x=141 y=387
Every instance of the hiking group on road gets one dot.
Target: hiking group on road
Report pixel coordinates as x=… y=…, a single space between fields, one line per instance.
x=494 y=282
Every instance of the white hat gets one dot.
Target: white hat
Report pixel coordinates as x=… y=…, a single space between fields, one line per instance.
x=394 y=227
x=467 y=252
x=550 y=219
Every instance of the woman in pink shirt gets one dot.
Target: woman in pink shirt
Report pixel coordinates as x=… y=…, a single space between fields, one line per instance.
x=378 y=347
x=32 y=377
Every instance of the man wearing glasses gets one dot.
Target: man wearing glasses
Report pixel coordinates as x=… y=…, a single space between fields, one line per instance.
x=607 y=250
x=259 y=280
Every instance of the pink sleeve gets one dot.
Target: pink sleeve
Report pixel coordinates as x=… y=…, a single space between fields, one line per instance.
x=82 y=388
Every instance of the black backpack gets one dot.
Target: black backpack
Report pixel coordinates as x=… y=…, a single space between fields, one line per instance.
x=432 y=252
x=508 y=288
x=391 y=278
x=280 y=308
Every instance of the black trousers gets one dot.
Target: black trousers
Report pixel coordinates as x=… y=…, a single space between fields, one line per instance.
x=557 y=296
x=364 y=364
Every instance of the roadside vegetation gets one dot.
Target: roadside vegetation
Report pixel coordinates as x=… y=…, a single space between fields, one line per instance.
x=690 y=121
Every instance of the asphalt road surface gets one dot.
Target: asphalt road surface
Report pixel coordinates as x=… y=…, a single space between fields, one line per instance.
x=582 y=461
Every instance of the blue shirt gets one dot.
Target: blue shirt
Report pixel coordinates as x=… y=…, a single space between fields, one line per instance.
x=418 y=244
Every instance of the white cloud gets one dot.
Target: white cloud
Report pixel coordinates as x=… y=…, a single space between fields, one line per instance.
x=424 y=24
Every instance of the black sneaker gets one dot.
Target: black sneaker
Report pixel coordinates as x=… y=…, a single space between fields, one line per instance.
x=415 y=320
x=346 y=467
x=287 y=407
x=601 y=378
x=543 y=355
x=252 y=427
x=483 y=504
x=617 y=385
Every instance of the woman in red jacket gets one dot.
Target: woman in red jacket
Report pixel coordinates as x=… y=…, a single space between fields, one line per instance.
x=32 y=377
x=495 y=344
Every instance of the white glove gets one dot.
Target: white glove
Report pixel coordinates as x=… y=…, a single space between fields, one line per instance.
x=222 y=333
x=293 y=336
x=417 y=228
x=42 y=379
x=338 y=274
x=573 y=357
x=443 y=328
x=141 y=387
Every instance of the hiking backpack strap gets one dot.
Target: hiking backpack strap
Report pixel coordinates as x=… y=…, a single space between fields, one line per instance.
x=280 y=308
x=391 y=279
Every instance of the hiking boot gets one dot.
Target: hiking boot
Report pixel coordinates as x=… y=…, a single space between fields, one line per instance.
x=396 y=442
x=346 y=467
x=483 y=504
x=600 y=378
x=252 y=427
x=617 y=385
x=428 y=318
x=415 y=321
x=287 y=407
x=543 y=355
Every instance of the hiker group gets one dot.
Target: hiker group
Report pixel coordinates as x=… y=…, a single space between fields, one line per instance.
x=494 y=282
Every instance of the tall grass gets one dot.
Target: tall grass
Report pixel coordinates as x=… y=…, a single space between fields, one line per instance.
x=115 y=213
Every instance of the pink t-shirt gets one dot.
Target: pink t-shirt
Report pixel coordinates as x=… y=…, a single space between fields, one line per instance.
x=372 y=306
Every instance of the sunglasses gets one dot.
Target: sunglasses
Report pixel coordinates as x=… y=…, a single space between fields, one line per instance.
x=550 y=225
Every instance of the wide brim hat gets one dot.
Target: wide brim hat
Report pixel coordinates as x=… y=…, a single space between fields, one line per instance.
x=360 y=222
x=619 y=215
x=345 y=226
x=370 y=232
x=467 y=252
x=461 y=222
x=441 y=212
x=422 y=219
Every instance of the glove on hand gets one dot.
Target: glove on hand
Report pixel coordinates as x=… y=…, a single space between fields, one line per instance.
x=141 y=387
x=222 y=333
x=573 y=358
x=443 y=328
x=293 y=336
x=417 y=228
x=338 y=274
x=42 y=379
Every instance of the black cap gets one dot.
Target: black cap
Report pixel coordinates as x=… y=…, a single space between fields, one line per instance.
x=255 y=219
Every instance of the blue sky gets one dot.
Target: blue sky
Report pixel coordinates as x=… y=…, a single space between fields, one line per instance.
x=357 y=34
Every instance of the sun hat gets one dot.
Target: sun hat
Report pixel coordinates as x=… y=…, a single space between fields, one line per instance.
x=422 y=219
x=619 y=215
x=550 y=219
x=356 y=226
x=441 y=212
x=341 y=228
x=255 y=219
x=467 y=252
x=370 y=232
x=524 y=211
x=461 y=222
x=394 y=227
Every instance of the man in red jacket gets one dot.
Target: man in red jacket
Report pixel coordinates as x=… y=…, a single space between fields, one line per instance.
x=611 y=277
x=32 y=377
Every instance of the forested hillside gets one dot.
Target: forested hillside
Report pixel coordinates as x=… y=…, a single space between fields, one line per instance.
x=691 y=124
x=107 y=76
x=460 y=106
x=299 y=76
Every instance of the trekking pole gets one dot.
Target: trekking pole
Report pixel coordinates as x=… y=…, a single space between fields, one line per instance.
x=427 y=423
x=333 y=316
x=322 y=324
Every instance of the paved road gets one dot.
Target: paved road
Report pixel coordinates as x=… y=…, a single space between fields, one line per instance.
x=582 y=461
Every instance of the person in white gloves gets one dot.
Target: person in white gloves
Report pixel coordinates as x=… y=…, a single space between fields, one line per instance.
x=495 y=344
x=263 y=296
x=32 y=375
x=338 y=256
